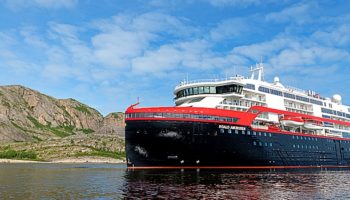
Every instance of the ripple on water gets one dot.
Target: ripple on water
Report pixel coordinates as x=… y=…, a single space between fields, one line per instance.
x=103 y=181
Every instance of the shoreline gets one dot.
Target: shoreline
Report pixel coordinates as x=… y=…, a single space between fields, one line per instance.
x=78 y=160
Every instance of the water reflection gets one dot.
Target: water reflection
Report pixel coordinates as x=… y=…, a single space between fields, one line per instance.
x=102 y=181
x=237 y=184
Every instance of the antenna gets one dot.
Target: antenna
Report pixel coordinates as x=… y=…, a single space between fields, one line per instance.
x=138 y=99
x=259 y=68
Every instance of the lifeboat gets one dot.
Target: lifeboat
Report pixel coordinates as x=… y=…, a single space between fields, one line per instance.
x=313 y=125
x=291 y=121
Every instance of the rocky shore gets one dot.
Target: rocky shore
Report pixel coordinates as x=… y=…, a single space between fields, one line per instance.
x=35 y=126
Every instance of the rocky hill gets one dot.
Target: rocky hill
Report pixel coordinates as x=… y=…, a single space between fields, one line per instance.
x=29 y=116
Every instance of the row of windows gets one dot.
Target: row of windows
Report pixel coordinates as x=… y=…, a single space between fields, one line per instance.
x=250 y=86
x=229 y=89
x=254 y=133
x=333 y=112
x=180 y=115
x=305 y=146
x=290 y=96
x=210 y=90
x=260 y=144
x=304 y=138
x=196 y=90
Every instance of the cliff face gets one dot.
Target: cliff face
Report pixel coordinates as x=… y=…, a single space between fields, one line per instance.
x=28 y=115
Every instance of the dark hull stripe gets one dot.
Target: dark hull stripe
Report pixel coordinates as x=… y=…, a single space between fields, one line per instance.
x=235 y=167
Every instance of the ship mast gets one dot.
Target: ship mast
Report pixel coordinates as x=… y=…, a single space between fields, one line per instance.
x=259 y=69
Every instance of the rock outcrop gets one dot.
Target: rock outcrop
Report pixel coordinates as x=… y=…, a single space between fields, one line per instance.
x=28 y=115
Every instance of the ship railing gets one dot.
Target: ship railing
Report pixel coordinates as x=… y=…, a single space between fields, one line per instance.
x=210 y=80
x=293 y=89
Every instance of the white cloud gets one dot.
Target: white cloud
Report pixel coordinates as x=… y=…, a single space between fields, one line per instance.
x=234 y=2
x=299 y=13
x=229 y=28
x=32 y=38
x=334 y=36
x=51 y=4
x=263 y=50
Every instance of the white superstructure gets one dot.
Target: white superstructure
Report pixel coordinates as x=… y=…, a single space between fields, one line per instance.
x=240 y=93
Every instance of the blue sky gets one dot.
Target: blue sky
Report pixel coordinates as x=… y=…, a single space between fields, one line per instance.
x=107 y=53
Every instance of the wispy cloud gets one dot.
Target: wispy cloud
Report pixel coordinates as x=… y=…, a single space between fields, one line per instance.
x=50 y=4
x=298 y=13
x=235 y=2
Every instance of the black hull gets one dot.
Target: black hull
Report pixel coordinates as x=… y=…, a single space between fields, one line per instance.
x=196 y=144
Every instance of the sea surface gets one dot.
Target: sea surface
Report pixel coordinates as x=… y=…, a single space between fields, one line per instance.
x=114 y=181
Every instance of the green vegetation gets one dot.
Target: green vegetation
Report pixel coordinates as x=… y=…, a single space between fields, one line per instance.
x=87 y=130
x=118 y=115
x=83 y=108
x=5 y=103
x=108 y=154
x=36 y=123
x=67 y=130
x=37 y=138
x=58 y=132
x=1 y=94
x=18 y=126
x=22 y=154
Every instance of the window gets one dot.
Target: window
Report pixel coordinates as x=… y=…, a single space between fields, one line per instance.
x=222 y=130
x=276 y=92
x=252 y=87
x=212 y=90
x=195 y=90
x=264 y=89
x=206 y=90
x=254 y=143
x=200 y=90
x=302 y=99
x=229 y=89
x=316 y=102
x=290 y=96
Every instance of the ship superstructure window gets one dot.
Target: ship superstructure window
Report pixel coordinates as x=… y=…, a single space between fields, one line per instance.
x=229 y=89
x=320 y=103
x=270 y=91
x=250 y=86
x=302 y=99
x=276 y=92
x=264 y=89
x=333 y=112
x=210 y=90
x=288 y=95
x=160 y=115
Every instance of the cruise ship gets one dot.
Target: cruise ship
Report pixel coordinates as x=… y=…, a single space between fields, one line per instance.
x=240 y=122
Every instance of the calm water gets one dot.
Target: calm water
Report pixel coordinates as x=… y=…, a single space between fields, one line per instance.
x=111 y=181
